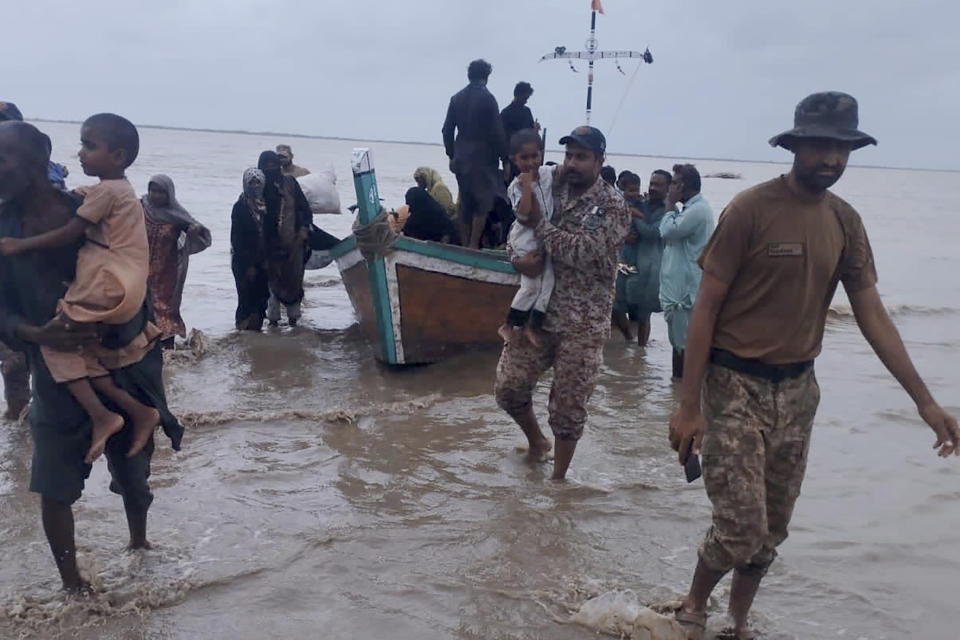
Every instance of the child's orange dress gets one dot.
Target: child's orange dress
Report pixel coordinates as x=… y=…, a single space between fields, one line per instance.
x=110 y=284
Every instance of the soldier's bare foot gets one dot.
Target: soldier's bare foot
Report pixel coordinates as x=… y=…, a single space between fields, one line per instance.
x=105 y=425
x=531 y=334
x=77 y=587
x=139 y=544
x=145 y=420
x=540 y=452
x=506 y=333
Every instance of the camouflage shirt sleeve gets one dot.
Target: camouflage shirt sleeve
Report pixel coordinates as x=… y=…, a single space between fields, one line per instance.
x=589 y=249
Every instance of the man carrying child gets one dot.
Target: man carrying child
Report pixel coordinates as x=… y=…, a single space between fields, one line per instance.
x=33 y=284
x=589 y=224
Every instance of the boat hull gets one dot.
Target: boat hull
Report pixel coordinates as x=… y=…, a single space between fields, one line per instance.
x=437 y=299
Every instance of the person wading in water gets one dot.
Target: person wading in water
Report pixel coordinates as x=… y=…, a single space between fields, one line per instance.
x=30 y=286
x=749 y=395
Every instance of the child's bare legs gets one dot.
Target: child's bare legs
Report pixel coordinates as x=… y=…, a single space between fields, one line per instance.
x=508 y=332
x=144 y=418
x=105 y=422
x=531 y=334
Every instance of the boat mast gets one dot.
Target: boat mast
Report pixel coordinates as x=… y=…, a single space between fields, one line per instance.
x=591 y=50
x=592 y=54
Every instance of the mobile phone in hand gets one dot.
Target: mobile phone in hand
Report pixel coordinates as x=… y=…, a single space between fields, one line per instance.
x=692 y=466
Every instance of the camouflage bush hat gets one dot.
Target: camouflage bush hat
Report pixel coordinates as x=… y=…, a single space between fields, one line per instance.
x=830 y=114
x=9 y=111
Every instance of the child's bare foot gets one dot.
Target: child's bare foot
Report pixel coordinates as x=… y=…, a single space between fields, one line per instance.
x=531 y=334
x=506 y=332
x=145 y=420
x=104 y=426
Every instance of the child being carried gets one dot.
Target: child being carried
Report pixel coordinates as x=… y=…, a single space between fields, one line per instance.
x=531 y=190
x=110 y=284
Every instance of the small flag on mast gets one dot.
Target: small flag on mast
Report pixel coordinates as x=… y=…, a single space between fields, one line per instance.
x=596 y=6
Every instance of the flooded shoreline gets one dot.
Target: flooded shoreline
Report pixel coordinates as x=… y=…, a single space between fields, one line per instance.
x=321 y=494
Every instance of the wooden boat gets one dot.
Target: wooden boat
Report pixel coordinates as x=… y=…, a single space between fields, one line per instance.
x=419 y=301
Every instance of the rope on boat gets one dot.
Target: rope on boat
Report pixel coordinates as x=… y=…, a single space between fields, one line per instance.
x=374 y=239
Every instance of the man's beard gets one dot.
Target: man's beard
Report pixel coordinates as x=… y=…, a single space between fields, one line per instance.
x=815 y=181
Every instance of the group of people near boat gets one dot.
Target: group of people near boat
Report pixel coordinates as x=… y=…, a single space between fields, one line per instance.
x=91 y=282
x=745 y=303
x=272 y=237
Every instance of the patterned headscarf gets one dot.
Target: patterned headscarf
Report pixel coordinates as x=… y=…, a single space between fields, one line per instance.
x=253 y=191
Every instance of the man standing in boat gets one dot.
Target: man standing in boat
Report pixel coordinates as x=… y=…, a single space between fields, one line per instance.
x=590 y=223
x=475 y=143
x=749 y=392
x=517 y=116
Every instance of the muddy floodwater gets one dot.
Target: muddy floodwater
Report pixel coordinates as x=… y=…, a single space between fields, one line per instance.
x=320 y=495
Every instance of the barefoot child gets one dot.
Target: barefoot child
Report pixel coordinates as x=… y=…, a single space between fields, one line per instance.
x=110 y=282
x=531 y=190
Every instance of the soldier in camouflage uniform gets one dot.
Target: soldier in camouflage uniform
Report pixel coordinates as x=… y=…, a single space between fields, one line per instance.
x=769 y=273
x=589 y=224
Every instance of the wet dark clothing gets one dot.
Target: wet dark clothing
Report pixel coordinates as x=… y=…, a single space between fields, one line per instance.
x=30 y=285
x=479 y=145
x=428 y=219
x=287 y=219
x=516 y=117
x=638 y=293
x=248 y=260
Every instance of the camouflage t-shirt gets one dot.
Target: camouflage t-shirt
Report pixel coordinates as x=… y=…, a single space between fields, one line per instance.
x=583 y=241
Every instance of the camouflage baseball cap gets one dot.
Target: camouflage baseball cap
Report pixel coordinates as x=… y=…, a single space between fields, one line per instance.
x=589 y=137
x=830 y=114
x=9 y=111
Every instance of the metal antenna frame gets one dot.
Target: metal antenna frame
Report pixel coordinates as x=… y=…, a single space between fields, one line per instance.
x=592 y=54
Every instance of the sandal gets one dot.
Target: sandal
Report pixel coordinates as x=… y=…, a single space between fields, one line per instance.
x=693 y=623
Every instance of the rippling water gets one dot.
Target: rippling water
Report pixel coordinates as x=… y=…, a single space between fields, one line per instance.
x=320 y=495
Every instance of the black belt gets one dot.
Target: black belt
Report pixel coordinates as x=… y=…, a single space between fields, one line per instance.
x=772 y=372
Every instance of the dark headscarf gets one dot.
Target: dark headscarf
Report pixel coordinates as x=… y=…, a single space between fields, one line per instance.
x=274 y=177
x=270 y=157
x=428 y=220
x=9 y=111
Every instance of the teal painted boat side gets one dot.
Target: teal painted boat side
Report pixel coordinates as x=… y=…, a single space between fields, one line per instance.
x=484 y=259
x=368 y=200
x=343 y=247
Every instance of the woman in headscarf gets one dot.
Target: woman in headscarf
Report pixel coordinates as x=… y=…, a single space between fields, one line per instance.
x=430 y=179
x=248 y=252
x=173 y=235
x=286 y=229
x=427 y=219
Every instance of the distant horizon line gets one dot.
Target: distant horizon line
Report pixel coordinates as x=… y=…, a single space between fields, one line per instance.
x=435 y=144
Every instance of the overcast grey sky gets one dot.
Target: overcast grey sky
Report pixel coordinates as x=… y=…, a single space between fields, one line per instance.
x=726 y=75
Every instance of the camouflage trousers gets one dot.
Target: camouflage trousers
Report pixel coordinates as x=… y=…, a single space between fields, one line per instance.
x=754 y=458
x=576 y=361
